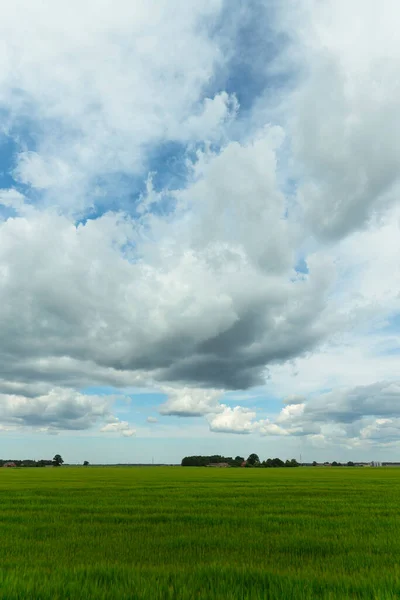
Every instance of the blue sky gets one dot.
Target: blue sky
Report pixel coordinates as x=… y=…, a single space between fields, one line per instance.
x=199 y=230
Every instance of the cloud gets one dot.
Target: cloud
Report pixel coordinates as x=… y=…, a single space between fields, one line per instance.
x=154 y=233
x=204 y=295
x=174 y=311
x=190 y=402
x=59 y=409
x=294 y=400
x=350 y=416
x=342 y=115
x=12 y=198
x=106 y=86
x=152 y=420
x=380 y=431
x=266 y=428
x=379 y=399
x=117 y=426
x=233 y=420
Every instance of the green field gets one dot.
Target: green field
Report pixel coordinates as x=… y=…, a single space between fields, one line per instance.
x=184 y=533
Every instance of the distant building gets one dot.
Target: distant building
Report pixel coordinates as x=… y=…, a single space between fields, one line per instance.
x=222 y=464
x=9 y=464
x=244 y=463
x=376 y=463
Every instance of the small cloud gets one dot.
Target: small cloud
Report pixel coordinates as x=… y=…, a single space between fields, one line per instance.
x=191 y=402
x=294 y=399
x=118 y=426
x=267 y=428
x=233 y=420
x=152 y=420
x=48 y=430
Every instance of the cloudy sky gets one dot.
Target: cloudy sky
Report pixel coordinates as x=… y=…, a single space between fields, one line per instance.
x=199 y=229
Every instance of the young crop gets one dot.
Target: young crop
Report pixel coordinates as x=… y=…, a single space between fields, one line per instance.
x=173 y=533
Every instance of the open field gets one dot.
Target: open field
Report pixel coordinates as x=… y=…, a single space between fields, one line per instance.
x=183 y=533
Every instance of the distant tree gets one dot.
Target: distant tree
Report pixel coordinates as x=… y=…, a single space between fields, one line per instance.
x=335 y=464
x=85 y=463
x=203 y=461
x=57 y=460
x=253 y=460
x=350 y=464
x=314 y=464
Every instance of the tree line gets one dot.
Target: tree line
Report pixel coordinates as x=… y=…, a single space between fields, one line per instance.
x=56 y=462
x=26 y=462
x=253 y=461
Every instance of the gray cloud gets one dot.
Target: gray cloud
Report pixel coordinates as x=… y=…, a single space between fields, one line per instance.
x=59 y=409
x=210 y=315
x=344 y=129
x=352 y=416
x=381 y=400
x=198 y=291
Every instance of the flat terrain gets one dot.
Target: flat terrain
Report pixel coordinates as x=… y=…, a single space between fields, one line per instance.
x=184 y=533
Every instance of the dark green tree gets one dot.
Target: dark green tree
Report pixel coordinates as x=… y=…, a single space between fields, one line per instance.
x=277 y=462
x=85 y=463
x=253 y=460
x=57 y=460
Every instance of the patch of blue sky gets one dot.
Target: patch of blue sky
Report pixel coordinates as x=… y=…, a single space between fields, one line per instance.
x=114 y=192
x=166 y=165
x=258 y=399
x=301 y=265
x=20 y=137
x=390 y=329
x=129 y=405
x=7 y=213
x=100 y=390
x=392 y=324
x=248 y=28
x=8 y=151
x=323 y=390
x=391 y=352
x=22 y=132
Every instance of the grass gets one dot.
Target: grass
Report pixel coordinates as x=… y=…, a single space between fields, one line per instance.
x=187 y=533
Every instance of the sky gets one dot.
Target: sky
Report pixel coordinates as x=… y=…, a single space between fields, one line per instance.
x=199 y=229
